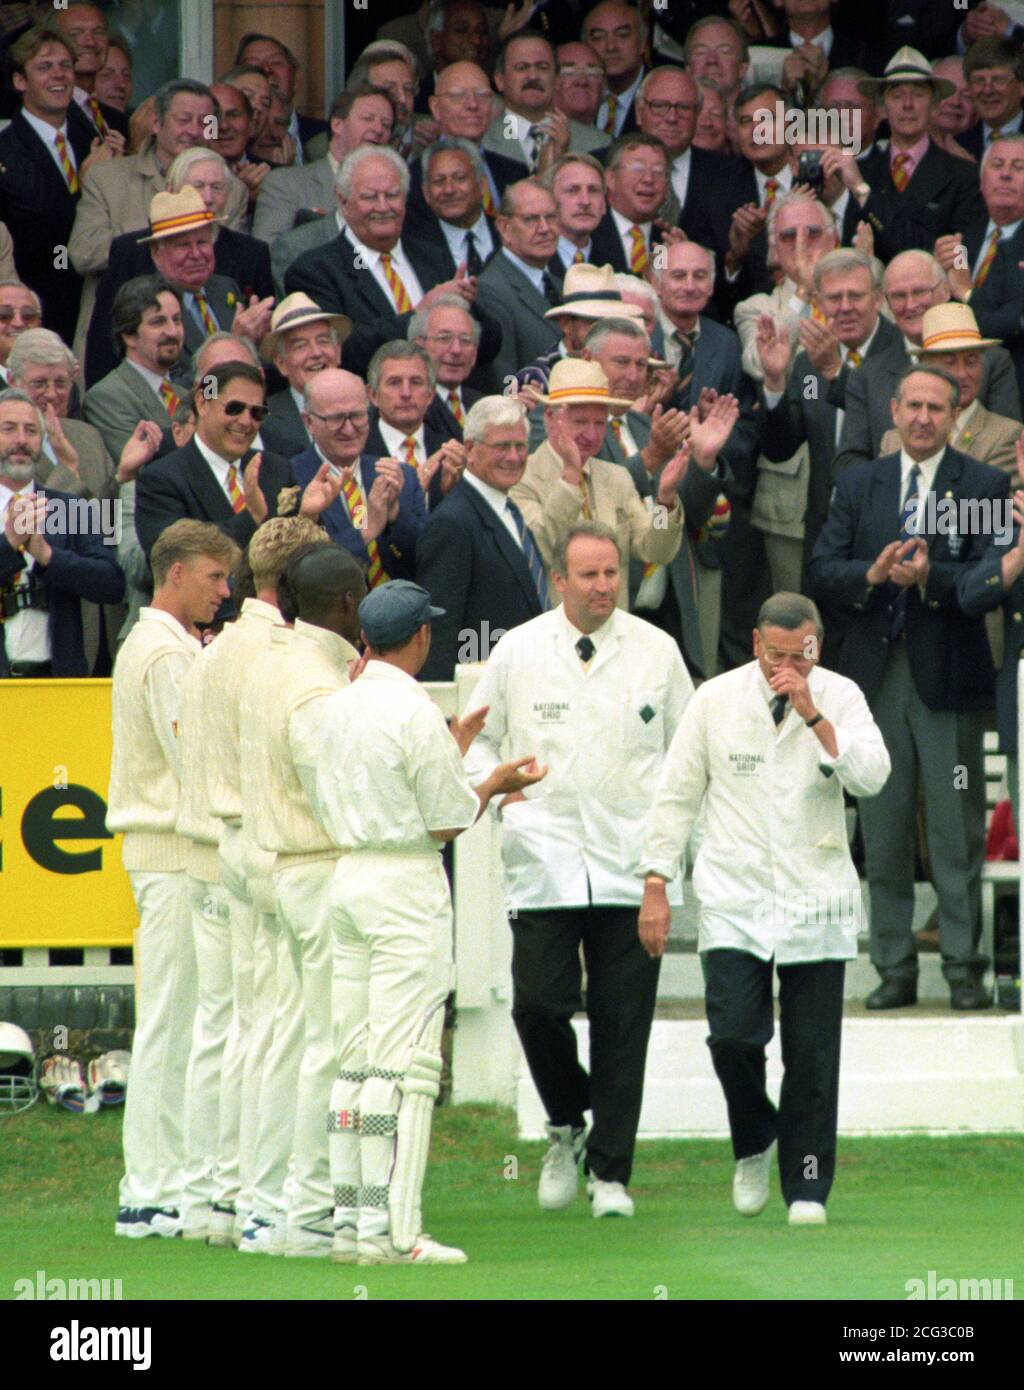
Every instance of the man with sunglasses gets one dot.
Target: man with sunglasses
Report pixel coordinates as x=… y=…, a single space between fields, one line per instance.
x=19 y=309
x=214 y=478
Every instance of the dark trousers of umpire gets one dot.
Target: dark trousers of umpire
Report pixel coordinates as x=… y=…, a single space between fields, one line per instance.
x=738 y=992
x=622 y=985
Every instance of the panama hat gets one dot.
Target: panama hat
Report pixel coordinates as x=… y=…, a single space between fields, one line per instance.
x=590 y=292
x=294 y=311
x=952 y=328
x=906 y=65
x=170 y=214
x=574 y=381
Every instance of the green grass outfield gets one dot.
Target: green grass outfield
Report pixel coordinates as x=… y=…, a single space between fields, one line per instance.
x=900 y=1207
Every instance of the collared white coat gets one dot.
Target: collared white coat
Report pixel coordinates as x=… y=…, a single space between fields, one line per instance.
x=603 y=731
x=773 y=873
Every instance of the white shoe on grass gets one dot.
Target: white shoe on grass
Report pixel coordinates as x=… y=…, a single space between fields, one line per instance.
x=560 y=1170
x=609 y=1198
x=807 y=1214
x=378 y=1250
x=750 y=1182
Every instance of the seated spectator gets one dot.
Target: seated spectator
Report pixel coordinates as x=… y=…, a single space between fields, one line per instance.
x=379 y=512
x=579 y=84
x=302 y=341
x=20 y=310
x=994 y=74
x=45 y=571
x=527 y=127
x=85 y=26
x=576 y=182
x=113 y=85
x=256 y=85
x=956 y=113
x=407 y=421
x=636 y=185
x=235 y=126
x=237 y=256
x=711 y=131
x=282 y=68
x=450 y=336
x=452 y=215
x=275 y=147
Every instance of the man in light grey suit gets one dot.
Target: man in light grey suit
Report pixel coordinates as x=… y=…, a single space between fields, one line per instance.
x=514 y=286
x=362 y=115
x=529 y=128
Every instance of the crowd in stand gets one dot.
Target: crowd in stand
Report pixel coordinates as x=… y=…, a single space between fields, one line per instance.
x=752 y=273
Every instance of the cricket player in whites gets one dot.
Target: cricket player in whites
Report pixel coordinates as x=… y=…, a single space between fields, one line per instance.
x=257 y=1096
x=282 y=719
x=191 y=562
x=390 y=790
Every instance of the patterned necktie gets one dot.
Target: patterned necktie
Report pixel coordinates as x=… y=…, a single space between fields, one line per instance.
x=585 y=509
x=455 y=406
x=410 y=450
x=638 y=257
x=206 y=313
x=579 y=258
x=908 y=530
x=585 y=650
x=854 y=358
x=987 y=259
x=536 y=144
x=900 y=176
x=779 y=709
x=530 y=552
x=98 y=118
x=551 y=291
x=613 y=111
x=771 y=190
x=398 y=291
x=235 y=490
x=64 y=156
x=684 y=367
x=996 y=133
x=169 y=397
x=353 y=495
x=490 y=207
x=616 y=428
x=474 y=264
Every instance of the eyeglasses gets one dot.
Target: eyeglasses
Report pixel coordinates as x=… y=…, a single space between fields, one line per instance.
x=645 y=171
x=678 y=108
x=897 y=298
x=835 y=298
x=26 y=315
x=570 y=70
x=464 y=340
x=460 y=97
x=352 y=419
x=258 y=412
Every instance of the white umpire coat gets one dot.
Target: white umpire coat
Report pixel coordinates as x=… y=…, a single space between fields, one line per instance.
x=773 y=873
x=603 y=730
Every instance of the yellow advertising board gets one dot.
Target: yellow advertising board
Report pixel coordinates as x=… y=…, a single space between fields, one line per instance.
x=61 y=879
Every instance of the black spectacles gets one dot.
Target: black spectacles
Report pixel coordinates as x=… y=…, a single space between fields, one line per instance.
x=258 y=412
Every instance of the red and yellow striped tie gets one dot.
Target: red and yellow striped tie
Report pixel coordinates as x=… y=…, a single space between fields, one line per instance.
x=638 y=257
x=771 y=189
x=169 y=397
x=235 y=490
x=410 y=451
x=206 y=313
x=579 y=258
x=816 y=313
x=357 y=512
x=398 y=291
x=613 y=110
x=616 y=428
x=455 y=406
x=989 y=257
x=900 y=177
x=70 y=173
x=585 y=499
x=489 y=204
x=854 y=358
x=98 y=118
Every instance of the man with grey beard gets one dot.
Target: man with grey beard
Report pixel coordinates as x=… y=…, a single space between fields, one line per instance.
x=52 y=555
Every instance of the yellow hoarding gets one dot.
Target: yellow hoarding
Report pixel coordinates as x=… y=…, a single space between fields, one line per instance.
x=61 y=879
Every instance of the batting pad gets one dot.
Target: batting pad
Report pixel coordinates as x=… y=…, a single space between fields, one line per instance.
x=419 y=1088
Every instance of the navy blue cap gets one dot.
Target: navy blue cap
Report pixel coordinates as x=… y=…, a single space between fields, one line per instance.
x=392 y=612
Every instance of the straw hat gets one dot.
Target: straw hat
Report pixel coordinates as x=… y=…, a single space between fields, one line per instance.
x=906 y=65
x=294 y=311
x=574 y=381
x=952 y=328
x=170 y=214
x=590 y=292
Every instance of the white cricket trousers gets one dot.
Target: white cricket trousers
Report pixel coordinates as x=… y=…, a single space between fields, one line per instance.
x=165 y=1001
x=391 y=915
x=236 y=1122
x=301 y=894
x=211 y=934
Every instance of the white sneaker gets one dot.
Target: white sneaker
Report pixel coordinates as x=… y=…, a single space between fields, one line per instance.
x=221 y=1230
x=609 y=1198
x=750 y=1182
x=807 y=1214
x=378 y=1250
x=306 y=1242
x=345 y=1247
x=262 y=1237
x=197 y=1225
x=559 y=1174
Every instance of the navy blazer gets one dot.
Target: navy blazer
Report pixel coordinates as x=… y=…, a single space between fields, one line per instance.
x=397 y=542
x=473 y=569
x=81 y=567
x=980 y=589
x=948 y=650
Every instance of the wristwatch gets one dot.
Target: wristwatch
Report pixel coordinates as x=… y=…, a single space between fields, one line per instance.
x=816 y=720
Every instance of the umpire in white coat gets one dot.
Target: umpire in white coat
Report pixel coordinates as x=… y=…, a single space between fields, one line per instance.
x=769 y=749
x=596 y=694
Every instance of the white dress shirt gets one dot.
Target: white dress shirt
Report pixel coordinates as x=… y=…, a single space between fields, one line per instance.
x=401 y=778
x=926 y=481
x=822 y=40
x=395 y=442
x=1009 y=230
x=567 y=249
x=400 y=264
x=679 y=174
x=498 y=501
x=456 y=239
x=623 y=226
x=48 y=134
x=603 y=729
x=219 y=466
x=625 y=101
x=773 y=874
x=533 y=273
x=26 y=634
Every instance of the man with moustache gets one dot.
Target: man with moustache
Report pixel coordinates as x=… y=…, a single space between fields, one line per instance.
x=462 y=105
x=529 y=129
x=576 y=182
x=282 y=68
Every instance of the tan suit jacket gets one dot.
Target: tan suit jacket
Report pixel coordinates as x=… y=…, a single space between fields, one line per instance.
x=550 y=507
x=116 y=195
x=7 y=270
x=988 y=437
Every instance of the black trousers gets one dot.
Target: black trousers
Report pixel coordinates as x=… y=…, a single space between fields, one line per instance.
x=622 y=985
x=738 y=991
